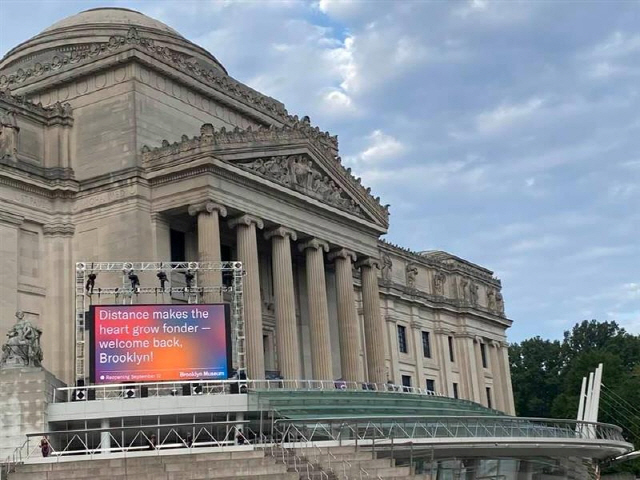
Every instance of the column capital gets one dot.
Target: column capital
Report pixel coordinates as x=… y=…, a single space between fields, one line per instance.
x=59 y=229
x=207 y=206
x=368 y=262
x=314 y=243
x=281 y=232
x=247 y=220
x=341 y=253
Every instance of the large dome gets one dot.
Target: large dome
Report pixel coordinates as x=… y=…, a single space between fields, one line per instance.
x=110 y=16
x=98 y=25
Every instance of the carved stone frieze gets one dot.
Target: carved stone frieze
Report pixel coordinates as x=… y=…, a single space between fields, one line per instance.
x=306 y=178
x=61 y=111
x=301 y=174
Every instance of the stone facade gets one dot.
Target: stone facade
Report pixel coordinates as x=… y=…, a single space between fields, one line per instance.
x=121 y=140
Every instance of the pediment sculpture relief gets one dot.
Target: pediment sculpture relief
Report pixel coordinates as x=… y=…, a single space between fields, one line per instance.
x=22 y=348
x=299 y=173
x=8 y=135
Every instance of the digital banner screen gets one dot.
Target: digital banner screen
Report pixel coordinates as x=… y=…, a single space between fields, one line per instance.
x=158 y=343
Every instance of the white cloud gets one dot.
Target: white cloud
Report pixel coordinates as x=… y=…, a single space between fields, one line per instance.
x=544 y=242
x=506 y=115
x=618 y=44
x=380 y=147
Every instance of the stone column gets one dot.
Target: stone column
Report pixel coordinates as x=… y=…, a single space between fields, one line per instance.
x=347 y=316
x=248 y=254
x=9 y=251
x=161 y=239
x=373 y=325
x=482 y=386
x=446 y=375
x=58 y=321
x=285 y=305
x=507 y=387
x=321 y=364
x=416 y=332
x=208 y=214
x=498 y=392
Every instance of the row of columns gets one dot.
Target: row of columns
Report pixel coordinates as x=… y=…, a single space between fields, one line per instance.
x=208 y=217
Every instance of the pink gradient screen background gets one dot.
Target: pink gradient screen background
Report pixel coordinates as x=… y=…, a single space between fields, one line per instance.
x=159 y=347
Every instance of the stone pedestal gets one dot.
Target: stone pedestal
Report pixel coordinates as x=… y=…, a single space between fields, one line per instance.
x=25 y=394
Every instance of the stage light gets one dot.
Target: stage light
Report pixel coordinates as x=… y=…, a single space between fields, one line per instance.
x=162 y=276
x=91 y=283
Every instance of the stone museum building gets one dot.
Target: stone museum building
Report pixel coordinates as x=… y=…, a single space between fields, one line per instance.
x=121 y=140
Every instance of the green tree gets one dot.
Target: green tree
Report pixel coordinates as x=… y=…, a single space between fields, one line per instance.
x=535 y=372
x=547 y=377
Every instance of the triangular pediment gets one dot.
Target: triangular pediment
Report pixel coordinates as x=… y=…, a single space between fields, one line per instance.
x=299 y=158
x=302 y=174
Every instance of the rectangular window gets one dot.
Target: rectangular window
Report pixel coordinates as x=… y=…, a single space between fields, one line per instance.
x=178 y=246
x=489 y=397
x=455 y=390
x=426 y=345
x=431 y=385
x=402 y=339
x=406 y=382
x=451 y=356
x=483 y=352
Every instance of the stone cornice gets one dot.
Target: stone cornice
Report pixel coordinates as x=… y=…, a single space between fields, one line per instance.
x=342 y=253
x=246 y=220
x=8 y=218
x=59 y=229
x=315 y=244
x=478 y=273
x=207 y=206
x=216 y=142
x=56 y=114
x=51 y=173
x=281 y=232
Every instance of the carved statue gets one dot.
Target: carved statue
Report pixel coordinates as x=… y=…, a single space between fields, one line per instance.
x=8 y=134
x=499 y=303
x=464 y=289
x=491 y=300
x=299 y=173
x=473 y=293
x=439 y=279
x=411 y=271
x=22 y=348
x=387 y=266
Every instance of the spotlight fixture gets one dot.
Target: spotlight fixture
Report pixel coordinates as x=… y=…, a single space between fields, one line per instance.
x=162 y=276
x=91 y=283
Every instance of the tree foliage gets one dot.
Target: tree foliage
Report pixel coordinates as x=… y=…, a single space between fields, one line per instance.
x=547 y=376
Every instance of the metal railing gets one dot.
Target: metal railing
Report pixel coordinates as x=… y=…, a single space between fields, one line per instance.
x=119 y=391
x=152 y=439
x=374 y=431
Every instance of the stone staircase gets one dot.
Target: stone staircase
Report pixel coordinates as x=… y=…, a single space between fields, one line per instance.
x=342 y=463
x=253 y=465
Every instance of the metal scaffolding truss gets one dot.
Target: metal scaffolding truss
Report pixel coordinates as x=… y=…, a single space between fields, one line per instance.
x=184 y=282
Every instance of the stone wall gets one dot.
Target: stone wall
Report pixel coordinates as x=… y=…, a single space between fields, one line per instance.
x=25 y=394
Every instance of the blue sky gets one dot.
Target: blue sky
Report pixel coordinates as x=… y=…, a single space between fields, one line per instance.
x=507 y=133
